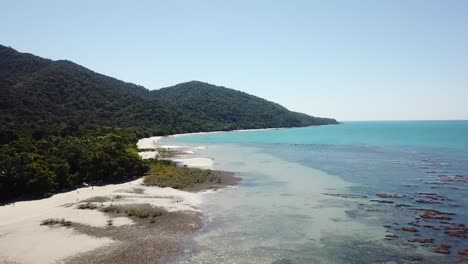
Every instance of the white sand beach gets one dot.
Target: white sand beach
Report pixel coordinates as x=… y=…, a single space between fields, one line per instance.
x=24 y=240
x=152 y=143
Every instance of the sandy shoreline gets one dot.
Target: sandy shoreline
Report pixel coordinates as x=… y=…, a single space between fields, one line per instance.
x=150 y=147
x=90 y=238
x=151 y=142
x=24 y=240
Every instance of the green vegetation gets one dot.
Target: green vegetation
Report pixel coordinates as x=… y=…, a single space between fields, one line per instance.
x=87 y=206
x=143 y=211
x=111 y=209
x=34 y=168
x=221 y=108
x=55 y=222
x=62 y=125
x=165 y=153
x=164 y=173
x=45 y=96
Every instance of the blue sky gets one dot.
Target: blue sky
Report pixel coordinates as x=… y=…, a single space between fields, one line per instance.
x=352 y=60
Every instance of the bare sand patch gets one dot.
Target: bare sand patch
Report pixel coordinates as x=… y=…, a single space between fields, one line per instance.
x=24 y=240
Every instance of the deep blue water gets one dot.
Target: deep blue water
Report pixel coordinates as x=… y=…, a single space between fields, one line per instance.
x=309 y=194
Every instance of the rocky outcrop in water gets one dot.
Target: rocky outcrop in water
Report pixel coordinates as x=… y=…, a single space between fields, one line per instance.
x=442 y=249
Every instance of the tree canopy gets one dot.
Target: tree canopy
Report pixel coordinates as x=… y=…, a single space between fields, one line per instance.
x=62 y=124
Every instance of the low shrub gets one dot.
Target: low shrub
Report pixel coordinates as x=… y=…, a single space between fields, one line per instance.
x=144 y=213
x=87 y=206
x=111 y=209
x=167 y=174
x=56 y=221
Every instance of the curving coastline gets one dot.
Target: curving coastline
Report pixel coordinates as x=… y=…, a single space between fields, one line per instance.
x=95 y=234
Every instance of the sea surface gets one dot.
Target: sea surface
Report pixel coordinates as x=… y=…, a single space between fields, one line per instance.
x=358 y=192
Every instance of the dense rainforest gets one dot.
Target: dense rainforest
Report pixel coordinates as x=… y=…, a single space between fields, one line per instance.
x=62 y=125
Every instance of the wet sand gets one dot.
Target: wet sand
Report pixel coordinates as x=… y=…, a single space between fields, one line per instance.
x=94 y=236
x=148 y=240
x=90 y=238
x=142 y=242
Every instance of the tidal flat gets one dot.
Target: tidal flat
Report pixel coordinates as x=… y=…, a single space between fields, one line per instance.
x=337 y=194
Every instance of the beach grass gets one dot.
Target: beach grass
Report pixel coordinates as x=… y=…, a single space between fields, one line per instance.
x=165 y=173
x=111 y=209
x=144 y=212
x=55 y=222
x=134 y=211
x=87 y=206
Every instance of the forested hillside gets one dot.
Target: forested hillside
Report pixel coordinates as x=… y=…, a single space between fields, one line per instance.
x=230 y=109
x=40 y=94
x=62 y=124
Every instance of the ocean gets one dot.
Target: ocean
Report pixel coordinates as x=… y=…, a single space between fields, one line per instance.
x=358 y=192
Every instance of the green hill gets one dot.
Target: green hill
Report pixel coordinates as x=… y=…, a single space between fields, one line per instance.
x=62 y=124
x=38 y=93
x=226 y=108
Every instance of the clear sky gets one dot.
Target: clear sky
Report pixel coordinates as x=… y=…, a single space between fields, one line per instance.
x=352 y=60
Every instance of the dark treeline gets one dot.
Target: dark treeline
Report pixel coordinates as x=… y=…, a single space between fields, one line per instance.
x=34 y=167
x=62 y=124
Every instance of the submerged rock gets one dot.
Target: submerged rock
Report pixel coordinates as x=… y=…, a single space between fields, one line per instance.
x=415 y=258
x=382 y=201
x=435 y=214
x=454 y=227
x=445 y=187
x=435 y=182
x=410 y=185
x=410 y=229
x=462 y=233
x=346 y=195
x=454 y=179
x=421 y=240
x=427 y=201
x=402 y=205
x=442 y=249
x=388 y=195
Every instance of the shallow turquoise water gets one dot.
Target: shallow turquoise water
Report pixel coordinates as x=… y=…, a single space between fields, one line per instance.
x=309 y=194
x=451 y=134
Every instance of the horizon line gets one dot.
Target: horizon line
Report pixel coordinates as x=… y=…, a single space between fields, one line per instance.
x=402 y=120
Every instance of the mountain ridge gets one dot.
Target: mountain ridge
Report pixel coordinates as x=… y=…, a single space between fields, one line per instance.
x=62 y=91
x=63 y=125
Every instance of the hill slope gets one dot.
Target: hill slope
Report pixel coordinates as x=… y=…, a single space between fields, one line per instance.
x=62 y=125
x=38 y=93
x=232 y=109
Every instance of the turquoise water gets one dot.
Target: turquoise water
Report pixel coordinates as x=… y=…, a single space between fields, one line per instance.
x=452 y=134
x=308 y=195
